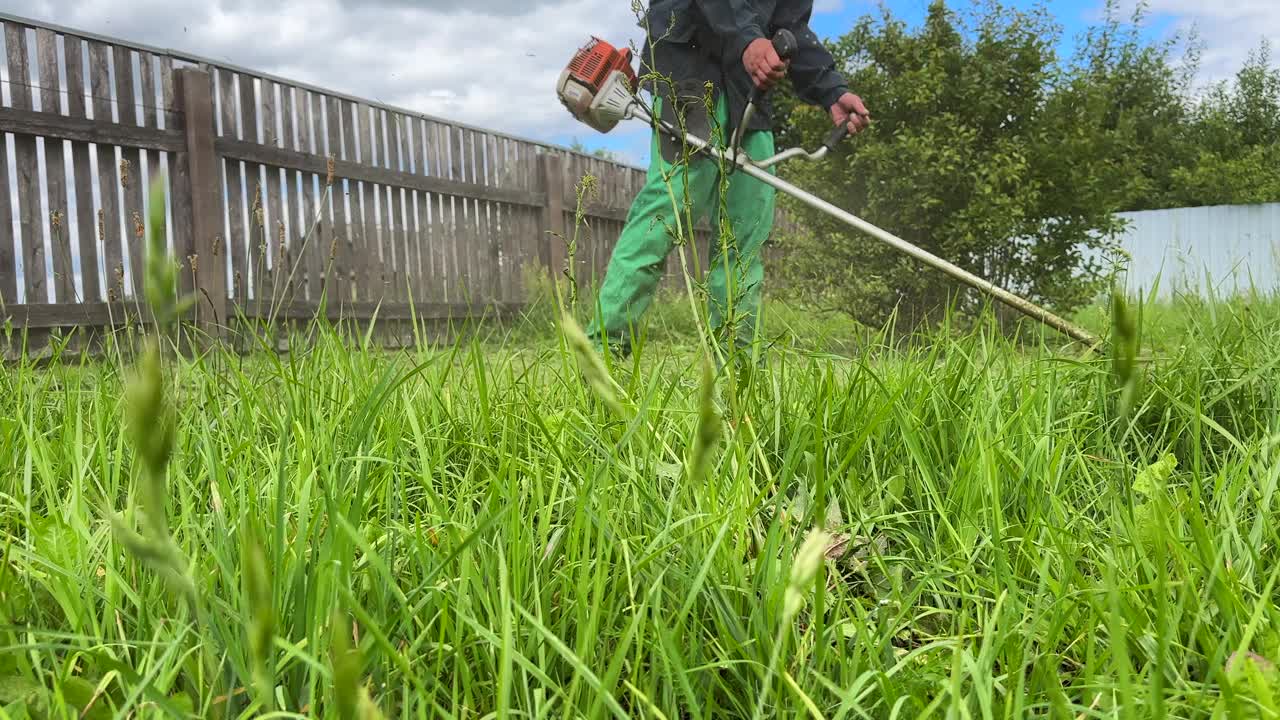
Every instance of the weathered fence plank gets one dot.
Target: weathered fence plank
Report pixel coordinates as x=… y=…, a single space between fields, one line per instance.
x=491 y=223
x=41 y=316
x=364 y=310
x=369 y=260
x=314 y=232
x=357 y=171
x=475 y=157
x=530 y=248
x=108 y=226
x=28 y=122
x=404 y=214
x=27 y=166
x=179 y=183
x=293 y=277
x=131 y=173
x=433 y=266
x=234 y=176
x=501 y=159
x=82 y=172
x=339 y=259
x=463 y=235
x=520 y=220
x=255 y=242
x=8 y=258
x=301 y=188
x=381 y=205
x=480 y=244
x=150 y=106
x=375 y=213
x=403 y=154
x=391 y=243
x=407 y=127
x=553 y=224
x=198 y=178
x=274 y=220
x=356 y=197
x=56 y=222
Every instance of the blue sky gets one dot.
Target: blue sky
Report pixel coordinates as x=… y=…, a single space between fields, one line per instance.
x=834 y=17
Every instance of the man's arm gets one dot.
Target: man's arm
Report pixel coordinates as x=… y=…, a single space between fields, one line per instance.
x=813 y=70
x=734 y=21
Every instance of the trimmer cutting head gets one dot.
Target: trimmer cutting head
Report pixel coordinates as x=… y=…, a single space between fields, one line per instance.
x=599 y=85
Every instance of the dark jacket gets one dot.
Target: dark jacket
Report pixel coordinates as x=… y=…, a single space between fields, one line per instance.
x=694 y=42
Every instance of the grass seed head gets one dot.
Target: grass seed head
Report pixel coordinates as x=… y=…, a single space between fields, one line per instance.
x=1124 y=352
x=162 y=271
x=804 y=568
x=256 y=576
x=158 y=554
x=350 y=694
x=709 y=428
x=150 y=420
x=591 y=365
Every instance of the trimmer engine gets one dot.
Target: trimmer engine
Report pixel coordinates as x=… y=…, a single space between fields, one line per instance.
x=599 y=85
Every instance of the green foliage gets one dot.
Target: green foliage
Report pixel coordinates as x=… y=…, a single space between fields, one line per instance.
x=1235 y=140
x=1152 y=480
x=968 y=157
x=601 y=153
x=990 y=150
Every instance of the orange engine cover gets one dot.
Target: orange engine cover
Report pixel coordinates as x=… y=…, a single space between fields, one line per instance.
x=596 y=61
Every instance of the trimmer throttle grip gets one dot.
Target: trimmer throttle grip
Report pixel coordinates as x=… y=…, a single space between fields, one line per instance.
x=784 y=43
x=836 y=136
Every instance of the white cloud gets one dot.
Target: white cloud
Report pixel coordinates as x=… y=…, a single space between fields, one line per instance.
x=488 y=62
x=1228 y=30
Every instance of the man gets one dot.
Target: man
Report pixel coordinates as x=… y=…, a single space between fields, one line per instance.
x=725 y=43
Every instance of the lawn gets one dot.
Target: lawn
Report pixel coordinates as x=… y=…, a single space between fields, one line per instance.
x=952 y=527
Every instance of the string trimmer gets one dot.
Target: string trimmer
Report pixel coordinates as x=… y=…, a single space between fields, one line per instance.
x=599 y=87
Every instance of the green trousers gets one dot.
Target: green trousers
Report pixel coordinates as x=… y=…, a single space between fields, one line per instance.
x=736 y=268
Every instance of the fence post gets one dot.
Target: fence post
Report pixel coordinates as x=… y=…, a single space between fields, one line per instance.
x=551 y=170
x=195 y=96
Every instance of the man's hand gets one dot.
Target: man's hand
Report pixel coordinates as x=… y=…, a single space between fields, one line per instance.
x=850 y=111
x=763 y=64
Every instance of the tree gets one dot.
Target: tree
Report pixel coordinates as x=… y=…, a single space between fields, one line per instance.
x=1235 y=133
x=1128 y=104
x=971 y=156
x=601 y=153
x=989 y=150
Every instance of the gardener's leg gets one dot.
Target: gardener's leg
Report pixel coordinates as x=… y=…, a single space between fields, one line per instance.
x=736 y=274
x=646 y=240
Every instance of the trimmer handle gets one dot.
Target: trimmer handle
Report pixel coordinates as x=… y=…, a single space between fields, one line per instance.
x=836 y=136
x=784 y=43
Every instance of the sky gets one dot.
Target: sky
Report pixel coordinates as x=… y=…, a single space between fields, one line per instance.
x=494 y=63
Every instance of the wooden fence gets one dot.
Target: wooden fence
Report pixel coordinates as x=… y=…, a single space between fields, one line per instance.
x=278 y=192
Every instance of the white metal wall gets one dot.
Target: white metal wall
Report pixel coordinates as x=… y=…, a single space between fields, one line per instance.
x=1224 y=249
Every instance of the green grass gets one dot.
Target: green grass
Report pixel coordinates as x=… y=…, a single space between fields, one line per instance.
x=939 y=526
x=491 y=539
